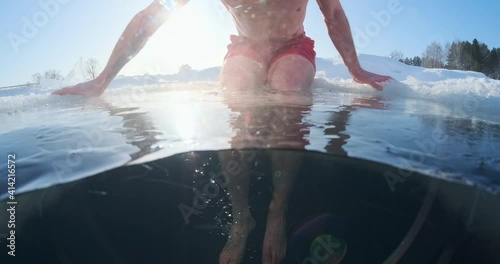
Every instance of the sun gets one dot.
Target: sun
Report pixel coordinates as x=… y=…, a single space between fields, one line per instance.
x=196 y=34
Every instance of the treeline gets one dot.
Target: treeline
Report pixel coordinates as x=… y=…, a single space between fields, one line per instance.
x=459 y=55
x=92 y=70
x=49 y=74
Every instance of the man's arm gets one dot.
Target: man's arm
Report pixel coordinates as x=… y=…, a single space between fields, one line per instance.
x=136 y=35
x=341 y=36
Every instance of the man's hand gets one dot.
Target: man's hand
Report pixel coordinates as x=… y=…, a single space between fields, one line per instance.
x=92 y=88
x=136 y=35
x=340 y=33
x=366 y=77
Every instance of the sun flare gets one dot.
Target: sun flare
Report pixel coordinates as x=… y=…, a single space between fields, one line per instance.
x=196 y=34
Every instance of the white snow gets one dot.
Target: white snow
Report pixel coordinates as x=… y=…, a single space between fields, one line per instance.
x=471 y=91
x=469 y=94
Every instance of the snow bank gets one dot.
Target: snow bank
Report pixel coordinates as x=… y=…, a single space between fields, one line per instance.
x=470 y=91
x=469 y=94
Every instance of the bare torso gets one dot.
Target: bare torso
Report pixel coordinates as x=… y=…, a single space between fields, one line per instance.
x=268 y=20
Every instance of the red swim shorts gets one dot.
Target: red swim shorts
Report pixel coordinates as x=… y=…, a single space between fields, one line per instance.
x=301 y=45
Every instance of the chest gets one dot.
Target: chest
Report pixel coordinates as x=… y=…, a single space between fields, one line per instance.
x=241 y=4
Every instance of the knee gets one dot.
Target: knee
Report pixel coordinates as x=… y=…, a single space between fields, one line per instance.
x=286 y=82
x=291 y=74
x=238 y=74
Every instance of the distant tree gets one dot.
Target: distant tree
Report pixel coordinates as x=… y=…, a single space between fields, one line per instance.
x=447 y=51
x=491 y=65
x=185 y=72
x=433 y=56
x=484 y=52
x=496 y=73
x=476 y=56
x=454 y=56
x=397 y=55
x=36 y=78
x=416 y=61
x=466 y=57
x=52 y=75
x=185 y=68
x=92 y=68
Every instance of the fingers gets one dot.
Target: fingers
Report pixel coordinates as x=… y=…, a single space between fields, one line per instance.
x=61 y=91
x=67 y=91
x=380 y=78
x=375 y=85
x=370 y=81
x=376 y=79
x=86 y=89
x=387 y=78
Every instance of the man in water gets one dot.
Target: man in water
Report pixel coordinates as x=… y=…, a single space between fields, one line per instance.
x=271 y=49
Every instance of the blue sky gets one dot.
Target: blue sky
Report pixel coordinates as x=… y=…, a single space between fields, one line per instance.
x=198 y=35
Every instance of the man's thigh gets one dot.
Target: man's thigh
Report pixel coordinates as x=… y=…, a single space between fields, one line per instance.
x=294 y=66
x=240 y=72
x=291 y=73
x=244 y=66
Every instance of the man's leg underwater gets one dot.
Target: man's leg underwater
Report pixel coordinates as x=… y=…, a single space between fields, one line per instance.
x=237 y=165
x=285 y=166
x=291 y=73
x=239 y=73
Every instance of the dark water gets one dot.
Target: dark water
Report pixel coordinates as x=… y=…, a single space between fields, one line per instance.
x=138 y=176
x=64 y=139
x=133 y=214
